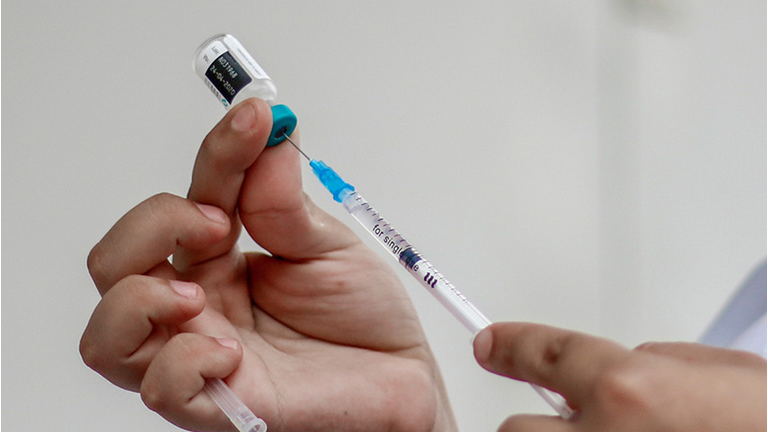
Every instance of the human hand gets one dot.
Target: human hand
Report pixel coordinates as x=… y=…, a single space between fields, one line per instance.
x=655 y=387
x=317 y=335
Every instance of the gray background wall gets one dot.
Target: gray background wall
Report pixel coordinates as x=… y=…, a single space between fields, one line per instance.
x=598 y=165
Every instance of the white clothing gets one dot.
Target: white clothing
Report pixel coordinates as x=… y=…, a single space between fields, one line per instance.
x=741 y=324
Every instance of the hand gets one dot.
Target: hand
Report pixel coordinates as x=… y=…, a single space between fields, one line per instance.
x=317 y=335
x=655 y=387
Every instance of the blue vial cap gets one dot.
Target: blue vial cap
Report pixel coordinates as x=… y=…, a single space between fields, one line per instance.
x=283 y=124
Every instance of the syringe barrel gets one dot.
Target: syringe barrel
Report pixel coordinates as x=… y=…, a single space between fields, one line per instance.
x=430 y=278
x=414 y=262
x=237 y=412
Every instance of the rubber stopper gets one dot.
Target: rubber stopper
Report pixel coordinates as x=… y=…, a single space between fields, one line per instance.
x=283 y=124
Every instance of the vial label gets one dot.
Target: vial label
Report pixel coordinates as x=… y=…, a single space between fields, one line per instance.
x=230 y=73
x=225 y=76
x=250 y=64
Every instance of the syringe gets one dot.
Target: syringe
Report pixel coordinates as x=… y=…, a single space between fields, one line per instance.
x=399 y=248
x=237 y=412
x=233 y=75
x=408 y=257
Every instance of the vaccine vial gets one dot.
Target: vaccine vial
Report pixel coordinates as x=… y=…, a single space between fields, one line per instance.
x=231 y=73
x=233 y=76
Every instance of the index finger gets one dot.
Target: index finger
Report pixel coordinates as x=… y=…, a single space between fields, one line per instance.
x=564 y=361
x=222 y=161
x=227 y=152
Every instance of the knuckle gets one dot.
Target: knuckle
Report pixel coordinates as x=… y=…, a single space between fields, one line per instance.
x=101 y=258
x=507 y=346
x=96 y=267
x=161 y=203
x=647 y=347
x=185 y=344
x=138 y=289
x=509 y=425
x=214 y=151
x=136 y=285
x=514 y=423
x=162 y=197
x=622 y=386
x=91 y=354
x=556 y=349
x=746 y=357
x=152 y=395
x=552 y=361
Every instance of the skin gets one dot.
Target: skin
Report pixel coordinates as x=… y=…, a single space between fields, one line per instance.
x=319 y=334
x=655 y=387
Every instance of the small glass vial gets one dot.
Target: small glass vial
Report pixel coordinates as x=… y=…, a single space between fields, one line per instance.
x=233 y=76
x=231 y=73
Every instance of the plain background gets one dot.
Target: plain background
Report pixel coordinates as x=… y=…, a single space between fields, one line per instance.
x=598 y=165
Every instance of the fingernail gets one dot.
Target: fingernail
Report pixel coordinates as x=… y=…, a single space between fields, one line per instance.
x=227 y=342
x=482 y=344
x=213 y=213
x=184 y=289
x=244 y=119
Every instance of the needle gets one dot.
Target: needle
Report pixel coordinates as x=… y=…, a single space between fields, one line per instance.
x=296 y=147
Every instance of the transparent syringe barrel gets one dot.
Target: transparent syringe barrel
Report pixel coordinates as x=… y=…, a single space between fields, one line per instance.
x=231 y=73
x=238 y=413
x=412 y=261
x=431 y=279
